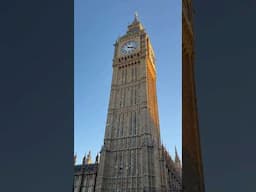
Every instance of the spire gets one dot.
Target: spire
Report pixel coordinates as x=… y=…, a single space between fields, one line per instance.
x=136 y=17
x=136 y=24
x=84 y=159
x=178 y=166
x=75 y=156
x=99 y=157
x=89 y=158
x=177 y=159
x=96 y=159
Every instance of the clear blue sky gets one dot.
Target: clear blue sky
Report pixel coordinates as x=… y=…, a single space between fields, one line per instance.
x=97 y=26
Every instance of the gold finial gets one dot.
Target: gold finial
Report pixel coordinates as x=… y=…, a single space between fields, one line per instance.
x=89 y=158
x=136 y=16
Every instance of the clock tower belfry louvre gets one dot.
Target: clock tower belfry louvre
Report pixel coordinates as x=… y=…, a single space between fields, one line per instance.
x=132 y=158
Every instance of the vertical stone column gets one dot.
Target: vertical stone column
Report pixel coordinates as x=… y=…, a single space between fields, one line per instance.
x=191 y=151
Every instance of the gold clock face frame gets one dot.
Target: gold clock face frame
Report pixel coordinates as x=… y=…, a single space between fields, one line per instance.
x=129 y=47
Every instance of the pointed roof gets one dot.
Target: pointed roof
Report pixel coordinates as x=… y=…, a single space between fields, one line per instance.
x=177 y=159
x=75 y=156
x=97 y=158
x=89 y=154
x=136 y=24
x=84 y=159
x=136 y=17
x=89 y=158
x=176 y=153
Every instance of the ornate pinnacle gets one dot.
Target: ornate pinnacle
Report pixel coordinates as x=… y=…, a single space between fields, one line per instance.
x=75 y=156
x=84 y=159
x=177 y=159
x=136 y=17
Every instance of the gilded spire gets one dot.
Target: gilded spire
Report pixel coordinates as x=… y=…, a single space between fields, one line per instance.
x=136 y=24
x=136 y=17
x=89 y=158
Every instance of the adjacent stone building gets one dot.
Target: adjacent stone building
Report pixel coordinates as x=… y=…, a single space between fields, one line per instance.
x=85 y=175
x=193 y=180
x=132 y=158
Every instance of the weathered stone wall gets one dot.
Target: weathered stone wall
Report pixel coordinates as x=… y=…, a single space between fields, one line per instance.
x=191 y=151
x=85 y=178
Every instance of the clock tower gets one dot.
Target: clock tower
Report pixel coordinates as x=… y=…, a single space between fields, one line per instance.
x=130 y=159
x=193 y=179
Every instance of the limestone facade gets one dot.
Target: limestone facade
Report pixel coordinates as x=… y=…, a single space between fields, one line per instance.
x=191 y=150
x=132 y=158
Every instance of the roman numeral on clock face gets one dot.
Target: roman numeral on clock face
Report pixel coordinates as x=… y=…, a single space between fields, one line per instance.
x=129 y=47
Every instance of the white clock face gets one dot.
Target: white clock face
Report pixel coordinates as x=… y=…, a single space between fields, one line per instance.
x=129 y=47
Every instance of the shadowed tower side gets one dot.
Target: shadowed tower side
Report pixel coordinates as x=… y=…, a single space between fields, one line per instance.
x=191 y=151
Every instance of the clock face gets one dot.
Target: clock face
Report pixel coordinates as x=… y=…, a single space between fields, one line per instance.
x=129 y=47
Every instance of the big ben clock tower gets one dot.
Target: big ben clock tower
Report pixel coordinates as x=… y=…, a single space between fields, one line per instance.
x=130 y=159
x=193 y=180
